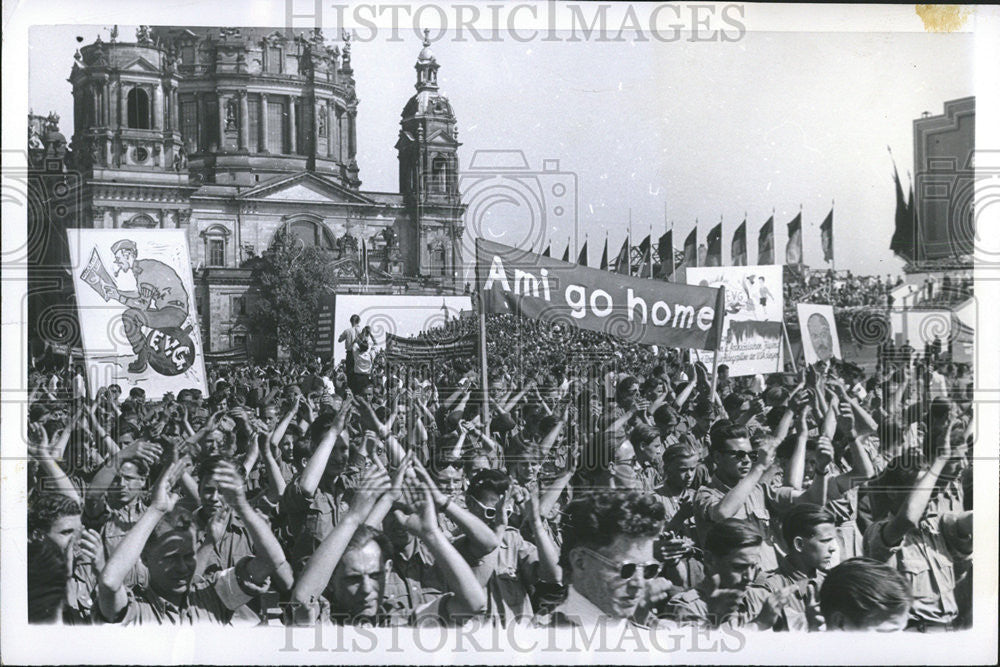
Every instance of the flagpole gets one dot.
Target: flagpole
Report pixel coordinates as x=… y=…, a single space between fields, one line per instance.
x=788 y=344
x=833 y=255
x=628 y=255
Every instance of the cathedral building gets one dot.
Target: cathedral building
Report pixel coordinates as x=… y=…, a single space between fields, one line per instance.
x=232 y=134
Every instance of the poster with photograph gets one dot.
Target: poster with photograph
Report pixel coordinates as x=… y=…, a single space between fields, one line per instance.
x=819 y=332
x=136 y=309
x=754 y=306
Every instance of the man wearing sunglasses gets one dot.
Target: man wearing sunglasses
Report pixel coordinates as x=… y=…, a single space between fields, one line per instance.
x=607 y=558
x=508 y=570
x=736 y=491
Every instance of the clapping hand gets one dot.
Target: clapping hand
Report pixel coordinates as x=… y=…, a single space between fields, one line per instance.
x=164 y=498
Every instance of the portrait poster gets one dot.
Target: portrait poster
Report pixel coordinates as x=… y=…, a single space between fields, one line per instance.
x=819 y=332
x=136 y=308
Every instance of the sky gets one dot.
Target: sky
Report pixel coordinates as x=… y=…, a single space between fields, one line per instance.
x=664 y=133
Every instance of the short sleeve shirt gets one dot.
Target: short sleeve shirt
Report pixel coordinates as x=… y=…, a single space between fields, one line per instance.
x=311 y=518
x=507 y=572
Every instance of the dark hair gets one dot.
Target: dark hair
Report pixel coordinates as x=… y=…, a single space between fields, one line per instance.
x=355 y=319
x=46 y=581
x=859 y=588
x=365 y=534
x=323 y=423
x=680 y=450
x=642 y=435
x=724 y=430
x=665 y=415
x=207 y=467
x=625 y=385
x=727 y=536
x=46 y=508
x=596 y=519
x=489 y=481
x=802 y=520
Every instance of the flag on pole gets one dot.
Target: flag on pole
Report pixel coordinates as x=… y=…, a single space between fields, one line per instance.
x=793 y=251
x=702 y=255
x=765 y=243
x=738 y=249
x=903 y=239
x=691 y=248
x=713 y=256
x=646 y=265
x=622 y=261
x=604 y=255
x=565 y=256
x=665 y=248
x=826 y=236
x=582 y=259
x=548 y=251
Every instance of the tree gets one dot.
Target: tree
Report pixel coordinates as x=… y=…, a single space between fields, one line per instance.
x=289 y=279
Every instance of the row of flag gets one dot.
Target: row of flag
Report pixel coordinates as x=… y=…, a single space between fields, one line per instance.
x=662 y=261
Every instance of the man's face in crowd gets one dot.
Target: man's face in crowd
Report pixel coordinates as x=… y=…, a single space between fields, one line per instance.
x=369 y=393
x=449 y=480
x=270 y=415
x=820 y=550
x=287 y=448
x=602 y=584
x=652 y=453
x=357 y=584
x=475 y=465
x=171 y=562
x=215 y=441
x=623 y=466
x=127 y=485
x=339 y=458
x=680 y=472
x=738 y=568
x=490 y=503
x=64 y=530
x=732 y=462
x=211 y=497
x=626 y=399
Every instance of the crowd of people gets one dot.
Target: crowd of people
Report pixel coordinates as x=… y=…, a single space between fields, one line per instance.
x=589 y=481
x=841 y=290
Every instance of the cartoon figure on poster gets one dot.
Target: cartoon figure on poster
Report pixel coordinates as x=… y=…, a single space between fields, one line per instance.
x=135 y=302
x=156 y=311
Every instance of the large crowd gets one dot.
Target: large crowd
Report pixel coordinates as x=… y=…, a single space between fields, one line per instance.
x=589 y=481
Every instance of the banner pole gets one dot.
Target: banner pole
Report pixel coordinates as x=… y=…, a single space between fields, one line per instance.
x=484 y=374
x=720 y=308
x=788 y=344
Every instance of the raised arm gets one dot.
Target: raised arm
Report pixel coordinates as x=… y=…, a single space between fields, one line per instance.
x=481 y=538
x=915 y=505
x=111 y=594
x=737 y=496
x=269 y=558
x=318 y=570
x=313 y=473
x=44 y=453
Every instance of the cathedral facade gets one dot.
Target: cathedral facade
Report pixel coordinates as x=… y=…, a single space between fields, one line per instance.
x=232 y=134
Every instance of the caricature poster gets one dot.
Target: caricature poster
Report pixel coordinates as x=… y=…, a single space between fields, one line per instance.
x=136 y=307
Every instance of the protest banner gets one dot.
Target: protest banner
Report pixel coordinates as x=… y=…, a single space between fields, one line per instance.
x=138 y=323
x=396 y=314
x=819 y=332
x=754 y=309
x=637 y=310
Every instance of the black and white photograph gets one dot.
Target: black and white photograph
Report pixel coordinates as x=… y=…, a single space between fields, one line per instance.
x=467 y=333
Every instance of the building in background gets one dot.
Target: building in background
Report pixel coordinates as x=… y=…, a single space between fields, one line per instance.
x=234 y=133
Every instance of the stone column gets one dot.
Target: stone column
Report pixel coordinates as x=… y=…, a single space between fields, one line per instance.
x=352 y=146
x=106 y=103
x=198 y=120
x=157 y=121
x=291 y=125
x=331 y=120
x=262 y=144
x=222 y=122
x=122 y=105
x=244 y=120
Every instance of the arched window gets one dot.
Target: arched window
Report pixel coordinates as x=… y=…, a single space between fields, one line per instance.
x=311 y=233
x=216 y=240
x=141 y=221
x=439 y=175
x=138 y=109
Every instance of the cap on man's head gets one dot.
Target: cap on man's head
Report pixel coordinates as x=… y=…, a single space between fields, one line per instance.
x=125 y=244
